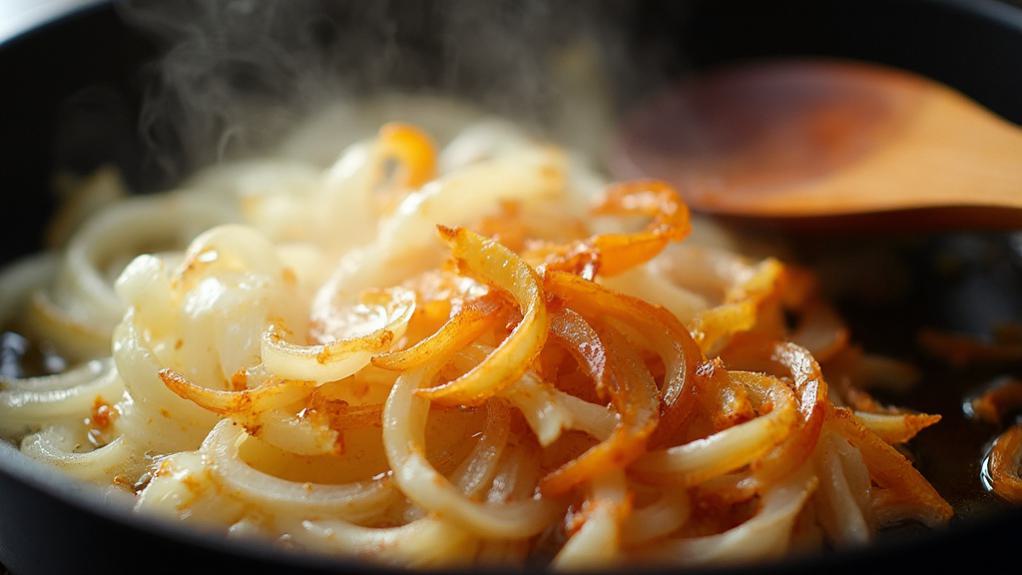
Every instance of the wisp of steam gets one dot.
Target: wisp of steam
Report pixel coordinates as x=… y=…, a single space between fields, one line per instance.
x=235 y=74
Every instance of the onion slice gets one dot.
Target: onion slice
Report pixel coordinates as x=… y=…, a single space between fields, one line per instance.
x=633 y=393
x=596 y=543
x=353 y=501
x=896 y=427
x=422 y=543
x=811 y=394
x=612 y=254
x=21 y=409
x=997 y=401
x=243 y=402
x=1004 y=463
x=474 y=318
x=891 y=470
x=731 y=449
x=766 y=535
x=339 y=359
x=404 y=420
x=666 y=514
x=501 y=268
x=651 y=326
x=413 y=150
x=821 y=331
x=547 y=410
x=579 y=338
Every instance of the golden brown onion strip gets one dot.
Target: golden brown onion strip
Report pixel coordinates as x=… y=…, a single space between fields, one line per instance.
x=891 y=470
x=492 y=263
x=633 y=393
x=654 y=328
x=468 y=324
x=1004 y=464
x=612 y=254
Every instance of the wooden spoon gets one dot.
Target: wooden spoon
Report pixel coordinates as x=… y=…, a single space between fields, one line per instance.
x=800 y=140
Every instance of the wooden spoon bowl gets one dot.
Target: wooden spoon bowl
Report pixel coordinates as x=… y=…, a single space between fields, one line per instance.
x=799 y=140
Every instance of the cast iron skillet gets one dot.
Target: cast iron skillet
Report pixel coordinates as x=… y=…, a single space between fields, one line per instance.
x=90 y=61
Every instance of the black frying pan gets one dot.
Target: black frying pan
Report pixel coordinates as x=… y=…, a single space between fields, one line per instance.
x=71 y=96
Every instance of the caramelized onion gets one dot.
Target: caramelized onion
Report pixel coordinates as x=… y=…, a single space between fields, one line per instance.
x=810 y=392
x=634 y=395
x=744 y=303
x=597 y=531
x=997 y=401
x=570 y=330
x=821 y=331
x=896 y=427
x=413 y=150
x=669 y=418
x=654 y=328
x=547 y=410
x=1004 y=464
x=242 y=402
x=960 y=349
x=612 y=254
x=731 y=449
x=339 y=359
x=891 y=470
x=665 y=514
x=767 y=534
x=474 y=318
x=499 y=267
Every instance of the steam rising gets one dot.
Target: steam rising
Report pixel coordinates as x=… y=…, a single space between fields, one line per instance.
x=235 y=74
